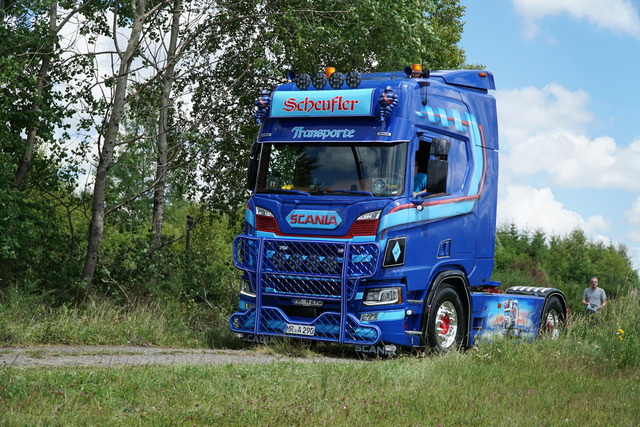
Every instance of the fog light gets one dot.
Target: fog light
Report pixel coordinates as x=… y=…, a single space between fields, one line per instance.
x=246 y=289
x=368 y=317
x=245 y=306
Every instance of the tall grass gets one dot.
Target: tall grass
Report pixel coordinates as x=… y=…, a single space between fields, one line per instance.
x=28 y=320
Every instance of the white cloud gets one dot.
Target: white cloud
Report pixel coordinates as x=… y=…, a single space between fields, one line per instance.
x=543 y=135
x=530 y=110
x=532 y=209
x=633 y=216
x=616 y=15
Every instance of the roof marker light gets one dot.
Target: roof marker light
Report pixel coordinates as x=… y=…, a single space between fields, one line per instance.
x=416 y=71
x=482 y=74
x=328 y=71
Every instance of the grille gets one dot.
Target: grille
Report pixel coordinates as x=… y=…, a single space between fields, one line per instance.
x=308 y=269
x=304 y=258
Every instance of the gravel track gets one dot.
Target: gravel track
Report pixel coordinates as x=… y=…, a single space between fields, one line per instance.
x=110 y=356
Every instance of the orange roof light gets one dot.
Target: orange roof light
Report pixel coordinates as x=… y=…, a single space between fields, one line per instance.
x=328 y=71
x=416 y=68
x=482 y=74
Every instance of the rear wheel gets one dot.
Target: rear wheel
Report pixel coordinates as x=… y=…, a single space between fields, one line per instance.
x=552 y=318
x=445 y=326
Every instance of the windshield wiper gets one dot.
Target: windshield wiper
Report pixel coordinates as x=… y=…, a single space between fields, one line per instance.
x=282 y=191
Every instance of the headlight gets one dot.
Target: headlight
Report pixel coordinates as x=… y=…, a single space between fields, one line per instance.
x=379 y=296
x=263 y=212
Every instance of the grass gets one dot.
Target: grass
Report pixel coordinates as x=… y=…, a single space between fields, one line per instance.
x=590 y=376
x=545 y=383
x=27 y=320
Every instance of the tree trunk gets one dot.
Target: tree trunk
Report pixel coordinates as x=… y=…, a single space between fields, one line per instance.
x=96 y=228
x=25 y=162
x=163 y=128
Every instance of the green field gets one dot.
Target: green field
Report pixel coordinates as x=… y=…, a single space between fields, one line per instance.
x=590 y=376
x=501 y=384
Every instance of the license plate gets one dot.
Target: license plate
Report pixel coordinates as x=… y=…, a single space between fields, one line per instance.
x=300 y=329
x=308 y=302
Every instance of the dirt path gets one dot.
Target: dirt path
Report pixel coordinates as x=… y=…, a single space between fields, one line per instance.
x=105 y=356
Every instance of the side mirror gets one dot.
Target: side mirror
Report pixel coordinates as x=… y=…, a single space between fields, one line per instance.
x=440 y=147
x=252 y=167
x=438 y=166
x=437 y=172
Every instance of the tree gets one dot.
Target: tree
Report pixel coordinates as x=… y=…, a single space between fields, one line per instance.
x=111 y=127
x=305 y=36
x=197 y=66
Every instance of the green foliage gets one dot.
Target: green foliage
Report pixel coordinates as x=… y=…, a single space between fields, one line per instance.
x=304 y=36
x=525 y=258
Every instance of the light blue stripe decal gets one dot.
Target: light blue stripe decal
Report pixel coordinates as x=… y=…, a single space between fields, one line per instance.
x=250 y=217
x=388 y=315
x=457 y=120
x=443 y=117
x=430 y=213
x=478 y=158
x=335 y=103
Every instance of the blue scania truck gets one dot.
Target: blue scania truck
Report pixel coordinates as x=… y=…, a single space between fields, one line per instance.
x=345 y=240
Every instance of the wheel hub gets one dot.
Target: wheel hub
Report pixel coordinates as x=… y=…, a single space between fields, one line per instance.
x=446 y=325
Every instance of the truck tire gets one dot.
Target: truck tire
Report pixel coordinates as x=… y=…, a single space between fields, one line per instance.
x=444 y=329
x=552 y=319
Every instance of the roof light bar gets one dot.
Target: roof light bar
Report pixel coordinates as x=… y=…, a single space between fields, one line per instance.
x=302 y=81
x=416 y=71
x=336 y=80
x=319 y=80
x=353 y=79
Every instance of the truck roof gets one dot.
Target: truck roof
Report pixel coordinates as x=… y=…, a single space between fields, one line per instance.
x=478 y=79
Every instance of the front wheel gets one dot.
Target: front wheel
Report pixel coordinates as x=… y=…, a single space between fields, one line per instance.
x=445 y=326
x=552 y=318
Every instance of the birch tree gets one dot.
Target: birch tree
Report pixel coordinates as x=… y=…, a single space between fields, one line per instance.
x=108 y=140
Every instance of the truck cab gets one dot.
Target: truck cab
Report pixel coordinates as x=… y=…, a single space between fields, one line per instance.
x=373 y=212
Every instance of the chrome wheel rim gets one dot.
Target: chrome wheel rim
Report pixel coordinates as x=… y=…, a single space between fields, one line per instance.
x=552 y=323
x=446 y=325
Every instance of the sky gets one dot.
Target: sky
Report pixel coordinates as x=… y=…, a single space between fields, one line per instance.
x=568 y=94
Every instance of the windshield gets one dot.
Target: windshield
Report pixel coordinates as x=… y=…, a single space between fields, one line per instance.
x=320 y=169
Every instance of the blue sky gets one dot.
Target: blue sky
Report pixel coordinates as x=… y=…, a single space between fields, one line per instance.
x=567 y=75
